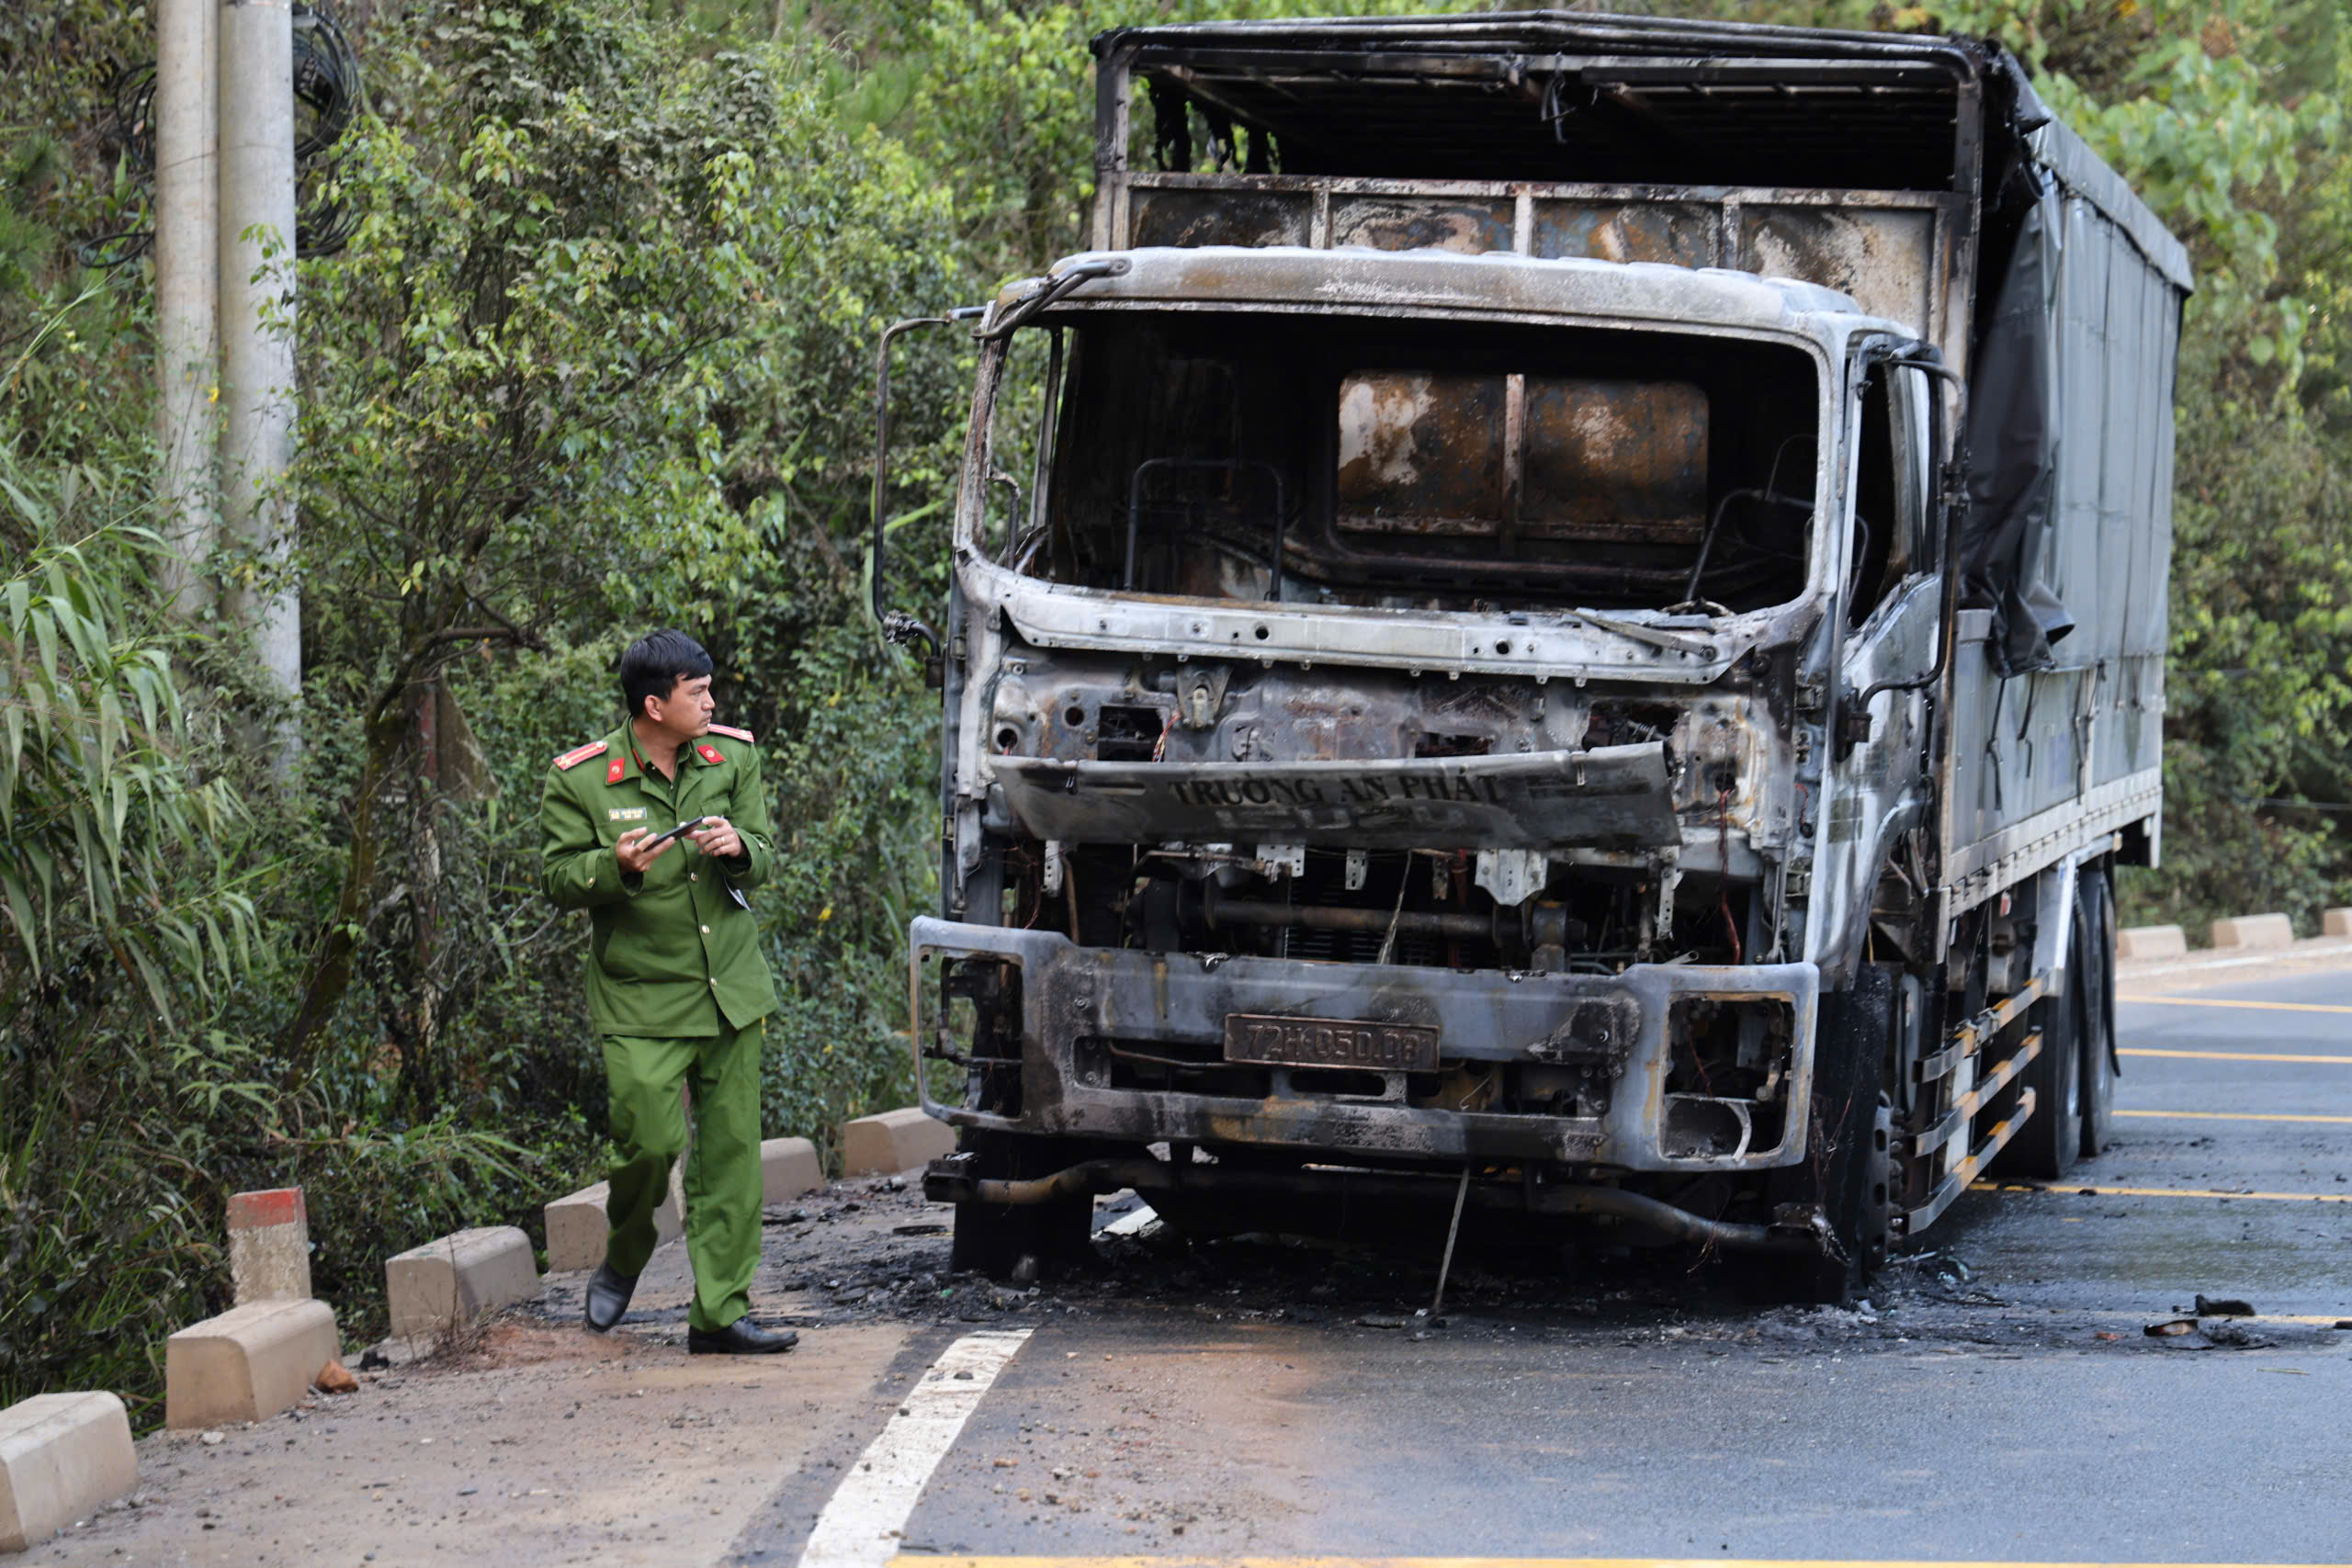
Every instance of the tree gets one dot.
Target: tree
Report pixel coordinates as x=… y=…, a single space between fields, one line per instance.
x=510 y=378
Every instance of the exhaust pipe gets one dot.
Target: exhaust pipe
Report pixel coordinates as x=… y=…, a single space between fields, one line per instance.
x=947 y=1182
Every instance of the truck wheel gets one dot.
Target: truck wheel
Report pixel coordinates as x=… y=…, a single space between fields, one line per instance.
x=1865 y=1230
x=1874 y=1233
x=1020 y=1242
x=2095 y=951
x=1851 y=1174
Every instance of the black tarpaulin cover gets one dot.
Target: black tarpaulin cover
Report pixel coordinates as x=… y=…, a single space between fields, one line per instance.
x=2012 y=452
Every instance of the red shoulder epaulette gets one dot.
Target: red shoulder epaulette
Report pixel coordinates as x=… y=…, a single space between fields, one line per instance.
x=730 y=729
x=575 y=758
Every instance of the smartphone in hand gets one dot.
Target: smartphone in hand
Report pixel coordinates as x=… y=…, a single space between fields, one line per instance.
x=680 y=831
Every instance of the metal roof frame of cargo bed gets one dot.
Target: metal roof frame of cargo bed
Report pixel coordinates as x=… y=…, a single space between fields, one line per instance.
x=1568 y=98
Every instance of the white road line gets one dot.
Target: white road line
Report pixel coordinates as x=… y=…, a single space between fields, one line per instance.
x=2229 y=1116
x=1136 y=1222
x=860 y=1525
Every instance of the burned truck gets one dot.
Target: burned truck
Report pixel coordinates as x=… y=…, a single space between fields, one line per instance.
x=1564 y=618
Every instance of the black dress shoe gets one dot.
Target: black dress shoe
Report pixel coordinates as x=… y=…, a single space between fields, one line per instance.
x=608 y=1294
x=740 y=1338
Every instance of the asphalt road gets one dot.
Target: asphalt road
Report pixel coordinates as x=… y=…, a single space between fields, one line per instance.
x=2000 y=1399
x=1995 y=1400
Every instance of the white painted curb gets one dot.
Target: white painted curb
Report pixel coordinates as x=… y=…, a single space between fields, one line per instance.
x=578 y=1226
x=2151 y=941
x=2246 y=932
x=62 y=1455
x=247 y=1364
x=894 y=1141
x=445 y=1285
x=788 y=1168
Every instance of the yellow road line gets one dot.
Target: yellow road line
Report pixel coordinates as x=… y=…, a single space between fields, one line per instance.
x=1180 y=1560
x=2065 y=1192
x=2231 y=1056
x=2225 y=1003
x=2229 y=1116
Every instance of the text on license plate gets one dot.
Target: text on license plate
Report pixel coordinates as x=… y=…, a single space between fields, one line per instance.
x=1329 y=1042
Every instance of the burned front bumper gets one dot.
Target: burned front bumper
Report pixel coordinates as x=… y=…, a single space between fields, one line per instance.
x=1088 y=1021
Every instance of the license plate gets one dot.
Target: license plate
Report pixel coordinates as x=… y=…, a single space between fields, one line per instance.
x=1329 y=1042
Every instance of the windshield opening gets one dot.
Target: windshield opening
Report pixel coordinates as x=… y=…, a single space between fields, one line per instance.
x=1407 y=463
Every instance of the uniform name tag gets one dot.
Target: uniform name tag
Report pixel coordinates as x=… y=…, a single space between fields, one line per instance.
x=625 y=814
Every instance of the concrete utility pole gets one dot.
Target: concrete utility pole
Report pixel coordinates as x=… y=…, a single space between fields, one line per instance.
x=256 y=240
x=186 y=291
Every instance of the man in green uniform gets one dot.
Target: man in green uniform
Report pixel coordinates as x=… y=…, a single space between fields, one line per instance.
x=676 y=986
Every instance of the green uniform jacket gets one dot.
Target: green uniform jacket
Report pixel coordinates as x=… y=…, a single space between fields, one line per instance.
x=670 y=940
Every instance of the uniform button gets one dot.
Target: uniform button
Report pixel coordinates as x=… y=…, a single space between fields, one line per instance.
x=705 y=930
x=714 y=983
x=692 y=876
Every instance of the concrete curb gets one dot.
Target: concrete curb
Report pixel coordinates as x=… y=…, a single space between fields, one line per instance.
x=247 y=1364
x=2244 y=932
x=578 y=1226
x=2237 y=939
x=2151 y=941
x=62 y=1455
x=893 y=1141
x=2309 y=948
x=788 y=1168
x=445 y=1285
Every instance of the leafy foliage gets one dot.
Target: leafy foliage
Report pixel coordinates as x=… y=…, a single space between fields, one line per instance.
x=125 y=915
x=101 y=817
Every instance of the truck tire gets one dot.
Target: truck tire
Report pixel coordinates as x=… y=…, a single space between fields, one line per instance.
x=1874 y=1225
x=1849 y=1172
x=1021 y=1241
x=2094 y=925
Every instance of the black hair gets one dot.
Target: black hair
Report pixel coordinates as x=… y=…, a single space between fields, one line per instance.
x=654 y=665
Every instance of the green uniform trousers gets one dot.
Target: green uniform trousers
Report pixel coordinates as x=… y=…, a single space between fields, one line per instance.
x=723 y=1188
